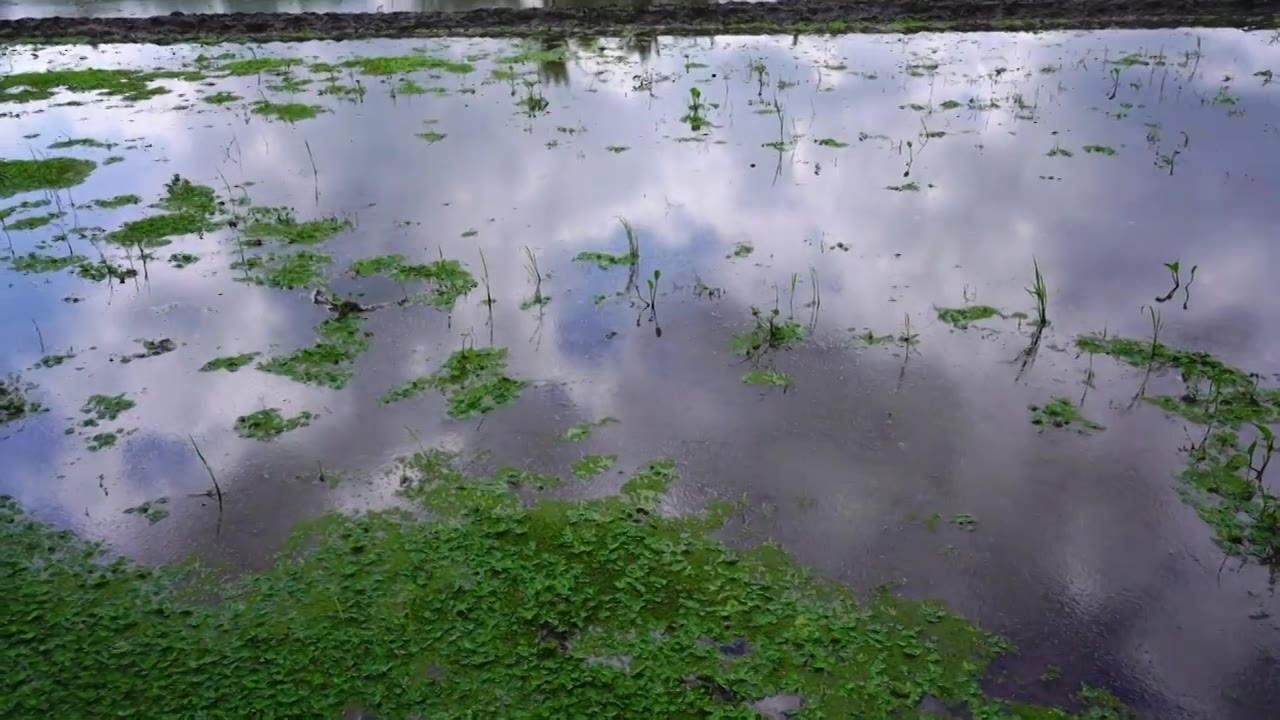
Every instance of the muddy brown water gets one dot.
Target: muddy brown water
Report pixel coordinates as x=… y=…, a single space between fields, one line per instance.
x=1082 y=553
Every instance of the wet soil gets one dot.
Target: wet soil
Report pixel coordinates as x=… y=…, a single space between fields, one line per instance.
x=734 y=17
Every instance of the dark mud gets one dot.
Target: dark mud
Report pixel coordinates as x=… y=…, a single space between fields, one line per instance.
x=735 y=17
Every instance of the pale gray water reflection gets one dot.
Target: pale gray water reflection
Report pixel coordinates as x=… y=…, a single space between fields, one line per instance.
x=1082 y=551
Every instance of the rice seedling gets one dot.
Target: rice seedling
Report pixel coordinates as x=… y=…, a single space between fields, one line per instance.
x=1040 y=293
x=696 y=117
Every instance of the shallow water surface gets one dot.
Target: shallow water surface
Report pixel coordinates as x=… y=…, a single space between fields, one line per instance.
x=853 y=185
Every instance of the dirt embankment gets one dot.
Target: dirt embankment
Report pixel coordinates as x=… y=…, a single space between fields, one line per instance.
x=742 y=18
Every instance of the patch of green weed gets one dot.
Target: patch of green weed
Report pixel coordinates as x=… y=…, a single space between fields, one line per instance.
x=221 y=98
x=268 y=424
x=35 y=221
x=34 y=262
x=768 y=376
x=285 y=271
x=255 y=66
x=1100 y=150
x=230 y=363
x=280 y=224
x=475 y=381
x=590 y=466
x=581 y=431
x=1060 y=412
x=400 y=64
x=128 y=84
x=59 y=173
x=107 y=407
x=288 y=112
x=14 y=403
x=117 y=202
x=153 y=510
x=328 y=362
x=962 y=317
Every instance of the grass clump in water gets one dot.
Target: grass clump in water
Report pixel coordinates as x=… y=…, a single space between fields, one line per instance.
x=128 y=84
x=590 y=466
x=1225 y=476
x=81 y=142
x=281 y=224
x=255 y=66
x=1100 y=150
x=35 y=221
x=285 y=271
x=288 y=112
x=1060 y=412
x=153 y=510
x=34 y=262
x=769 y=332
x=59 y=173
x=230 y=363
x=268 y=424
x=450 y=280
x=54 y=360
x=118 y=201
x=475 y=382
x=400 y=64
x=6 y=213
x=14 y=403
x=606 y=260
x=962 y=317
x=221 y=98
x=618 y=606
x=183 y=259
x=832 y=143
x=155 y=231
x=768 y=376
x=377 y=265
x=410 y=389
x=107 y=407
x=328 y=362
x=581 y=431
x=741 y=250
x=100 y=270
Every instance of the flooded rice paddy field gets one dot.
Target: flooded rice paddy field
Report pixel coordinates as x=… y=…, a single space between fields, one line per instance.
x=809 y=271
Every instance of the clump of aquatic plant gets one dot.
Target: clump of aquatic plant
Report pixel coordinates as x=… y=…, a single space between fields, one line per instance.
x=475 y=381
x=449 y=279
x=288 y=112
x=831 y=143
x=1059 y=151
x=81 y=142
x=117 y=201
x=260 y=65
x=153 y=510
x=155 y=231
x=768 y=376
x=34 y=262
x=696 y=117
x=183 y=259
x=432 y=136
x=401 y=64
x=608 y=596
x=54 y=359
x=1100 y=150
x=869 y=337
x=269 y=423
x=130 y=85
x=102 y=441
x=769 y=332
x=221 y=98
x=590 y=466
x=329 y=361
x=103 y=270
x=607 y=260
x=962 y=317
x=533 y=101
x=911 y=186
x=230 y=363
x=287 y=271
x=581 y=431
x=1060 y=412
x=535 y=275
x=1039 y=292
x=282 y=224
x=741 y=250
x=14 y=403
x=57 y=173
x=35 y=221
x=107 y=407
x=407 y=390
x=150 y=348
x=376 y=265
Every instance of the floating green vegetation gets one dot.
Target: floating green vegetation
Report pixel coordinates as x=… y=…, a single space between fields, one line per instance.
x=407 y=86
x=627 y=608
x=870 y=338
x=221 y=98
x=117 y=202
x=770 y=332
x=281 y=224
x=35 y=221
x=1131 y=60
x=912 y=186
x=5 y=213
x=1059 y=151
x=432 y=136
x=470 y=232
x=831 y=143
x=615 y=149
x=964 y=521
x=768 y=376
x=53 y=360
x=107 y=407
x=962 y=317
x=14 y=403
x=284 y=271
x=410 y=389
x=288 y=112
x=255 y=66
x=590 y=466
x=475 y=381
x=183 y=259
x=1224 y=480
x=268 y=424
x=607 y=260
x=328 y=362
x=741 y=250
x=81 y=142
x=102 y=441
x=150 y=349
x=153 y=510
x=376 y=265
x=950 y=105
x=230 y=363
x=155 y=230
x=518 y=477
x=103 y=269
x=59 y=173
x=130 y=85
x=1100 y=150
x=400 y=64
x=532 y=53
x=113 y=160
x=183 y=196
x=289 y=84
x=1060 y=412
x=581 y=431
x=34 y=262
